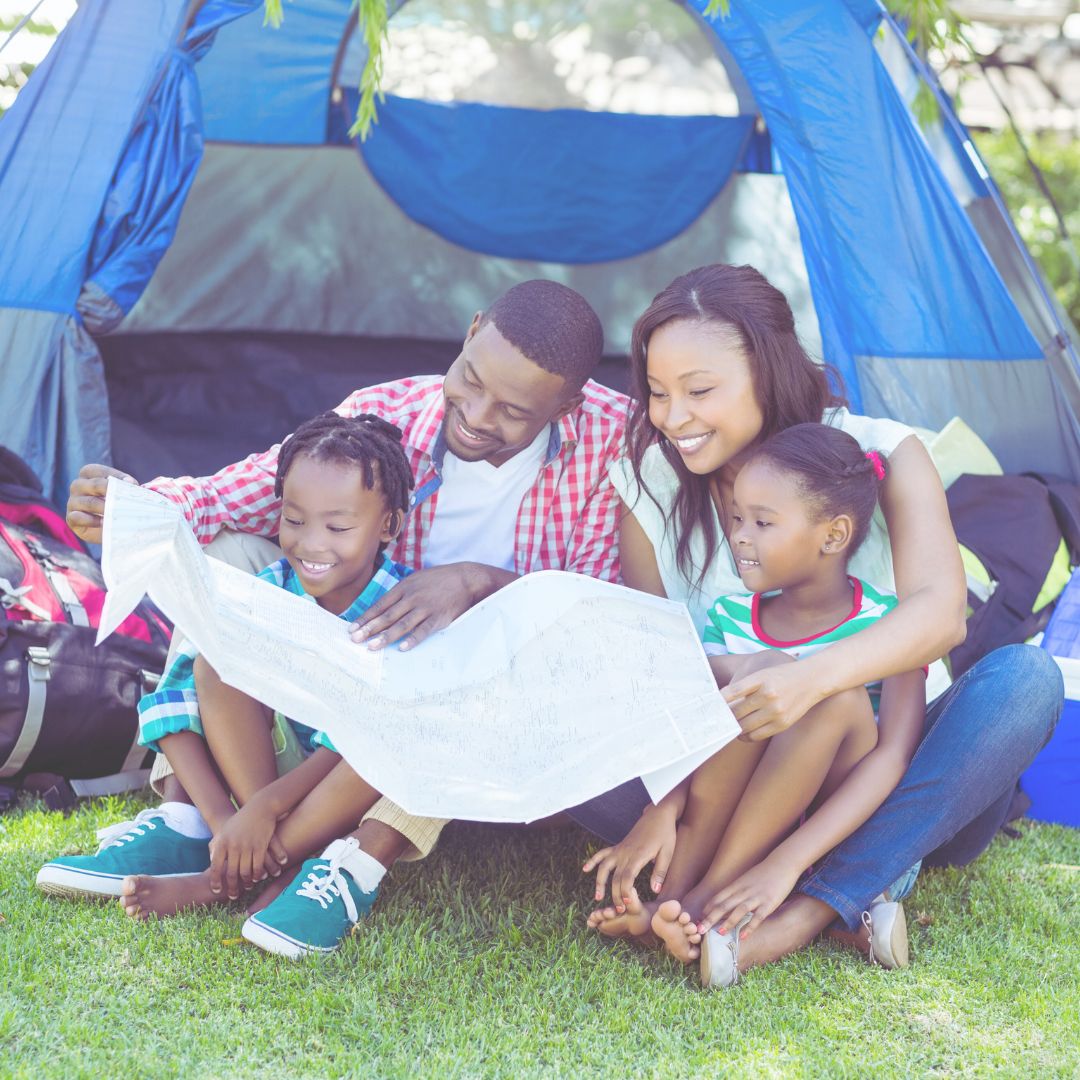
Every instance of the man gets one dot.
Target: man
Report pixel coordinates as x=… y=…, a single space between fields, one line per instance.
x=510 y=452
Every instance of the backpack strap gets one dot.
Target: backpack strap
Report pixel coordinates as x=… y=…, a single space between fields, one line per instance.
x=38 y=671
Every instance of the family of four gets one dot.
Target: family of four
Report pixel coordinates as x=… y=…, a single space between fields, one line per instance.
x=812 y=547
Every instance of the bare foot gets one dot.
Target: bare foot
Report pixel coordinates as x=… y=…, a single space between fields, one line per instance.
x=677 y=931
x=634 y=922
x=853 y=939
x=274 y=888
x=144 y=895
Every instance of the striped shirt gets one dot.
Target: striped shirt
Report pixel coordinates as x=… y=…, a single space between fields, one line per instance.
x=568 y=519
x=174 y=705
x=734 y=627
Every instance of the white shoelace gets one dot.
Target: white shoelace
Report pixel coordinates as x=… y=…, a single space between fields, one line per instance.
x=329 y=885
x=868 y=922
x=115 y=835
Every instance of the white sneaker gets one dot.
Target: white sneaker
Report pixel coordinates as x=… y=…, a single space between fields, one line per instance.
x=720 y=956
x=886 y=924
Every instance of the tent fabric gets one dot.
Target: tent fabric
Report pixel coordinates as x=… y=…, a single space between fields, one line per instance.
x=938 y=296
x=97 y=153
x=355 y=264
x=53 y=412
x=1000 y=395
x=61 y=141
x=565 y=186
x=151 y=182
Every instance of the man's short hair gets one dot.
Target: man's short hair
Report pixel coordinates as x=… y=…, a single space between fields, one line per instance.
x=553 y=326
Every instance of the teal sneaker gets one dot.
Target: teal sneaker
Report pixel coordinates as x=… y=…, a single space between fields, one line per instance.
x=146 y=845
x=317 y=911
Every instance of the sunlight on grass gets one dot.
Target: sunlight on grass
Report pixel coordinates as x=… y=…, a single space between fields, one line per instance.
x=478 y=963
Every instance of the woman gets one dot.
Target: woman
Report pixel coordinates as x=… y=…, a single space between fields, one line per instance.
x=716 y=369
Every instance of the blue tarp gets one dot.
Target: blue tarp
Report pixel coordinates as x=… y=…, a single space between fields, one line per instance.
x=61 y=142
x=560 y=185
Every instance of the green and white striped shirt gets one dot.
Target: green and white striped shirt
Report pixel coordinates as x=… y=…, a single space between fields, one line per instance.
x=734 y=627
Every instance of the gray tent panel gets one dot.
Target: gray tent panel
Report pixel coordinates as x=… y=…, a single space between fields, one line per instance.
x=998 y=397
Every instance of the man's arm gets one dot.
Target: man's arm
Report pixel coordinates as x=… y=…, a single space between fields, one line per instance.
x=239 y=496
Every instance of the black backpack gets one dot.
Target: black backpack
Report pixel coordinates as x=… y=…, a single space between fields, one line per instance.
x=1015 y=526
x=67 y=708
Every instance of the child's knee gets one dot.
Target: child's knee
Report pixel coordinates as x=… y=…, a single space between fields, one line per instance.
x=847 y=711
x=205 y=676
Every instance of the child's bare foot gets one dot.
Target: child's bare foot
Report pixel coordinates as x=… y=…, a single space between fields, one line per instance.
x=633 y=922
x=677 y=931
x=273 y=889
x=144 y=895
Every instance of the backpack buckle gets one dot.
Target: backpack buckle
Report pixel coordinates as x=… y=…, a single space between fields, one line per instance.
x=40 y=665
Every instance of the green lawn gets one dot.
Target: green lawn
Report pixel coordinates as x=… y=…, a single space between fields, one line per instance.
x=478 y=963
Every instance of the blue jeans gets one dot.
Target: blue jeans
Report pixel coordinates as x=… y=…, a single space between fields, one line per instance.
x=981 y=734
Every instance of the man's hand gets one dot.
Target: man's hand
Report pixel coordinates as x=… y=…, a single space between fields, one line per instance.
x=86 y=501
x=651 y=840
x=427 y=601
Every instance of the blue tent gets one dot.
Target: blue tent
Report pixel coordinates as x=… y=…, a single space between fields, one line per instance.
x=196 y=255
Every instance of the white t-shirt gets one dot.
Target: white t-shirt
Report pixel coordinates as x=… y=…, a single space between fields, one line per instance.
x=477 y=509
x=872 y=562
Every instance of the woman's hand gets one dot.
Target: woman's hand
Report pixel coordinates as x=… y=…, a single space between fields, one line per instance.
x=772 y=698
x=761 y=890
x=651 y=840
x=245 y=850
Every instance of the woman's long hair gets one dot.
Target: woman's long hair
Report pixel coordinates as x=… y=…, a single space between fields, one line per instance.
x=789 y=387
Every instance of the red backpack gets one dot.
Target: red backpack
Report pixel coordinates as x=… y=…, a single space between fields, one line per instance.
x=66 y=707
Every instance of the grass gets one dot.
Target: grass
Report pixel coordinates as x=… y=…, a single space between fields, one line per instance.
x=477 y=963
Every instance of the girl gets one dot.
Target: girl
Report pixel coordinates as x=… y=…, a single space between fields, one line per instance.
x=716 y=369
x=802 y=506
x=344 y=485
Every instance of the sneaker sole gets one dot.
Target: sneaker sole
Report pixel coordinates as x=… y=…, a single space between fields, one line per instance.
x=74 y=884
x=274 y=941
x=65 y=881
x=892 y=952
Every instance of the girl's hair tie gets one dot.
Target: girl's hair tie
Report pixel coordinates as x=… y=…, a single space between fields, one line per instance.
x=879 y=466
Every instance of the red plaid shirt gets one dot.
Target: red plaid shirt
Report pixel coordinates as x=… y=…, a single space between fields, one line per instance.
x=568 y=519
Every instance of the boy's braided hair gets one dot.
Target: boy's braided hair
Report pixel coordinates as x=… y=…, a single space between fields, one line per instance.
x=366 y=441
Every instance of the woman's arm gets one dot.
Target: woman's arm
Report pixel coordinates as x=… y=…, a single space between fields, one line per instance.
x=927 y=622
x=765 y=886
x=637 y=556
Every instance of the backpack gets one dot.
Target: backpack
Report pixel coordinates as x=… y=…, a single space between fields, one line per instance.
x=1018 y=536
x=66 y=707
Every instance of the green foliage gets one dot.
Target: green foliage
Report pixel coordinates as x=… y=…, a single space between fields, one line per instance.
x=273 y=15
x=1058 y=158
x=373 y=23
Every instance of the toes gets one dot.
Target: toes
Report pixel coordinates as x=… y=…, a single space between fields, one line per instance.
x=669 y=910
x=684 y=918
x=129 y=886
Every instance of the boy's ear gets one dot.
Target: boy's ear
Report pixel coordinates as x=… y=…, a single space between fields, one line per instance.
x=392 y=523
x=837 y=535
